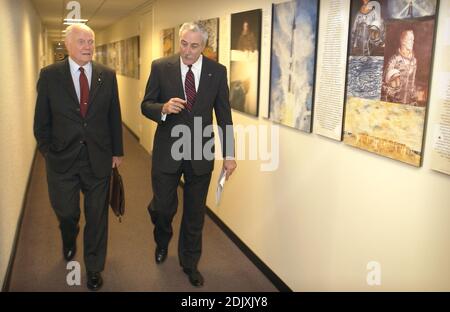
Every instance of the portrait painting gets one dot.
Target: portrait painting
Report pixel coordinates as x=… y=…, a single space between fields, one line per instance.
x=245 y=60
x=367 y=27
x=407 y=63
x=388 y=93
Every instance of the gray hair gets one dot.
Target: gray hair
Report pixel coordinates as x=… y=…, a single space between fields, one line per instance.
x=194 y=27
x=78 y=27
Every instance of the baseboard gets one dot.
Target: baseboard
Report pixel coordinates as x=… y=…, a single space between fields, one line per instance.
x=276 y=281
x=132 y=132
x=7 y=280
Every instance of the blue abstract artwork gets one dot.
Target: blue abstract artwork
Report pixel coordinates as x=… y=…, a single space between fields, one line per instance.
x=294 y=38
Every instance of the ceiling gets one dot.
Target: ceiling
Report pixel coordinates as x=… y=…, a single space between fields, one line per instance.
x=100 y=13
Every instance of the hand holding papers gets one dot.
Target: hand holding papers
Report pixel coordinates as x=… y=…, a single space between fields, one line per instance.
x=220 y=185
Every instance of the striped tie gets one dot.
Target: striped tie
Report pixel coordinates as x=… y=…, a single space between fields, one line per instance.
x=189 y=88
x=84 y=92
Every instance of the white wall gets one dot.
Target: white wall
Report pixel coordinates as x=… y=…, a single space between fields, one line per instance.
x=21 y=45
x=131 y=91
x=329 y=209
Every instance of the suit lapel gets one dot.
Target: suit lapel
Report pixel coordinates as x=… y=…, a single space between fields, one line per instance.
x=203 y=86
x=68 y=81
x=96 y=82
x=174 y=72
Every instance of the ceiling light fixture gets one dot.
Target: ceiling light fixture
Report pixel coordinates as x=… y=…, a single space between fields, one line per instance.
x=70 y=21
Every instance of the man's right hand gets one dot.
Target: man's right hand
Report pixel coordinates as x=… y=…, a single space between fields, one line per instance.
x=173 y=106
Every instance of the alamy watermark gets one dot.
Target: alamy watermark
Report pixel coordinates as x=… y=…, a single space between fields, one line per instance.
x=248 y=142
x=73 y=278
x=373 y=277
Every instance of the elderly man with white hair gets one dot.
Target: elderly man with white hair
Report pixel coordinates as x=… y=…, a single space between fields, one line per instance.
x=78 y=128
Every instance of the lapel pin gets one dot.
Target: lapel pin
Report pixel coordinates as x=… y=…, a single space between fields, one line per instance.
x=99 y=79
x=209 y=74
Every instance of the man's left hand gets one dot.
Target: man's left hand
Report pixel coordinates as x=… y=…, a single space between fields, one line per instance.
x=116 y=161
x=229 y=165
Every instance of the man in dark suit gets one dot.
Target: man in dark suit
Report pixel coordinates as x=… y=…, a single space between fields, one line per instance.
x=78 y=128
x=181 y=94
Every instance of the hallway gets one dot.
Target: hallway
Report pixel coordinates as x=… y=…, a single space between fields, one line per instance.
x=130 y=265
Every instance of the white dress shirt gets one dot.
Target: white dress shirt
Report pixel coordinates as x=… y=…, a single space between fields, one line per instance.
x=75 y=72
x=196 y=70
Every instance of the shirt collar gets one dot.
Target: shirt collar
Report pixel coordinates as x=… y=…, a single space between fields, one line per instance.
x=196 y=65
x=74 y=67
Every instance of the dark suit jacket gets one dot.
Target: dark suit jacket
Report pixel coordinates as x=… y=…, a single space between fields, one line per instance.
x=165 y=83
x=59 y=127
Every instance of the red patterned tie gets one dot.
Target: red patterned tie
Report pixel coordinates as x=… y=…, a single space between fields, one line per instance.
x=189 y=88
x=84 y=92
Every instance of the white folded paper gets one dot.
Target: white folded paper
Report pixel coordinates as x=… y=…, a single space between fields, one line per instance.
x=220 y=185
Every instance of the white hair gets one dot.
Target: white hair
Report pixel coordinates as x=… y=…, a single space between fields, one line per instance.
x=77 y=27
x=194 y=27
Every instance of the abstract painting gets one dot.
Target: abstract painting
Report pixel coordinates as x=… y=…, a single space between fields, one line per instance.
x=293 y=58
x=168 y=41
x=212 y=46
x=122 y=56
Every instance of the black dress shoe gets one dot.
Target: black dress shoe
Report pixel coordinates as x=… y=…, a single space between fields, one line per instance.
x=195 y=277
x=160 y=255
x=69 y=252
x=94 y=280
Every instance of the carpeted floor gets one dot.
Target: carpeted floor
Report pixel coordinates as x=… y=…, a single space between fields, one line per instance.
x=130 y=265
